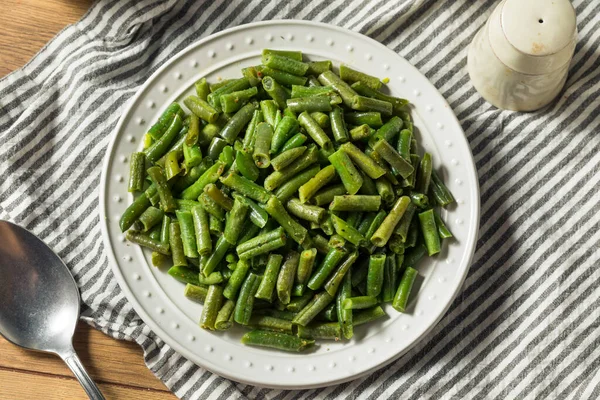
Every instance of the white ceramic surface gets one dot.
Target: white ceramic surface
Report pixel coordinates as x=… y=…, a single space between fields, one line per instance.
x=159 y=299
x=519 y=59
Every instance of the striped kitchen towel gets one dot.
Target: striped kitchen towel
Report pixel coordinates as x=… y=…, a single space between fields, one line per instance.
x=527 y=322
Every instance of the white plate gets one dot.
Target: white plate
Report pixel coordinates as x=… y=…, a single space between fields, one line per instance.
x=159 y=299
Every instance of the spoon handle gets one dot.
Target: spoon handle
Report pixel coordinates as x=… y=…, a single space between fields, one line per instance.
x=74 y=363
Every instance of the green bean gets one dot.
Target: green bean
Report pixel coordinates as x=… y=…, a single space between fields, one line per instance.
x=192 y=155
x=371 y=118
x=261 y=239
x=246 y=187
x=249 y=137
x=414 y=255
x=337 y=241
x=441 y=193
x=362 y=103
x=307 y=91
x=404 y=289
x=281 y=77
x=345 y=319
x=295 y=141
x=327 y=226
x=384 y=232
x=186 y=205
x=376 y=274
x=385 y=190
x=151 y=217
x=331 y=260
x=184 y=274
x=286 y=315
x=404 y=144
x=166 y=118
x=136 y=208
x=171 y=165
x=396 y=245
x=287 y=157
x=230 y=86
x=389 y=130
x=321 y=244
x=365 y=90
x=336 y=279
x=313 y=308
x=193 y=132
x=412 y=179
x=250 y=231
x=212 y=207
x=277 y=178
x=313 y=82
x=364 y=162
x=338 y=125
x=137 y=172
x=351 y=75
x=212 y=305
x=154 y=234
x=309 y=104
x=328 y=314
x=424 y=174
x=275 y=91
x=195 y=292
x=176 y=245
x=145 y=240
x=161 y=145
x=321 y=119
x=298 y=290
x=315 y=131
x=306 y=212
x=278 y=116
x=389 y=154
x=326 y=195
x=283 y=131
x=234 y=126
x=164 y=229
x=269 y=110
x=147 y=141
x=413 y=232
x=326 y=330
x=201 y=227
x=236 y=280
x=269 y=323
x=276 y=340
x=367 y=315
x=264 y=248
x=211 y=175
x=293 y=54
x=289 y=113
x=202 y=89
x=328 y=78
x=245 y=301
x=305 y=266
x=318 y=67
x=443 y=230
x=430 y=232
x=201 y=108
x=235 y=221
x=188 y=235
x=213 y=279
x=298 y=303
x=262 y=145
x=368 y=188
x=258 y=215
x=286 y=276
x=350 y=176
x=269 y=280
x=191 y=176
x=291 y=226
x=360 y=132
x=419 y=199
x=215 y=226
x=231 y=102
x=224 y=319
x=288 y=189
x=286 y=64
x=347 y=231
x=221 y=248
x=359 y=302
x=355 y=203
x=375 y=223
x=311 y=187
x=159 y=180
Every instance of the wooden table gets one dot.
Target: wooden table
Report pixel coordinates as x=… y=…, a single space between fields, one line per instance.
x=117 y=366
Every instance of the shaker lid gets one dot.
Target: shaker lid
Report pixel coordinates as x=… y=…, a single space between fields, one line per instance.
x=538 y=27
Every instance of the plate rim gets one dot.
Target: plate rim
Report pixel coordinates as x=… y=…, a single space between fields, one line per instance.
x=471 y=240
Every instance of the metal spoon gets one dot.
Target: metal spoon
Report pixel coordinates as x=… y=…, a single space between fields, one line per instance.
x=40 y=300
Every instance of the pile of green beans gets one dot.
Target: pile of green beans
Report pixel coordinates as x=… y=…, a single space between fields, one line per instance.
x=292 y=201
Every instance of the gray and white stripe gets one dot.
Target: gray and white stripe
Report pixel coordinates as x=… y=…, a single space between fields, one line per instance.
x=526 y=323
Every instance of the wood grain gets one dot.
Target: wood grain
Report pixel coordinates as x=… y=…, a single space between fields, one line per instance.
x=117 y=366
x=27 y=25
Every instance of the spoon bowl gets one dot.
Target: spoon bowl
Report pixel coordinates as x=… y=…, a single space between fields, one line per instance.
x=40 y=300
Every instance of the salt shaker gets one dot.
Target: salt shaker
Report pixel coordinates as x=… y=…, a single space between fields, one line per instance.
x=519 y=59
